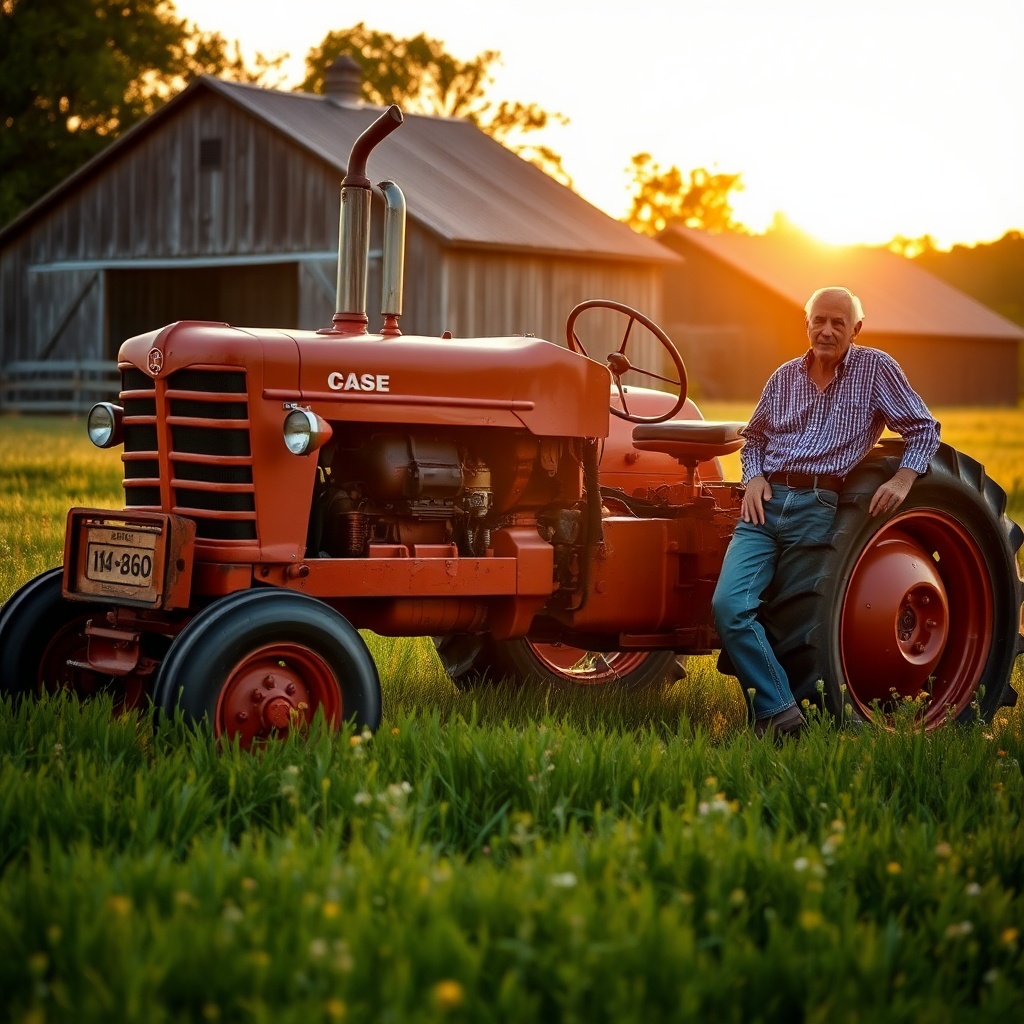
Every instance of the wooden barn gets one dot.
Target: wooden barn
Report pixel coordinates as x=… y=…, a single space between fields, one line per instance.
x=735 y=309
x=224 y=205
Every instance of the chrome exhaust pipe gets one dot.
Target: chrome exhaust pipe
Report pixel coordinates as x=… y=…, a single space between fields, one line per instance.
x=354 y=228
x=393 y=263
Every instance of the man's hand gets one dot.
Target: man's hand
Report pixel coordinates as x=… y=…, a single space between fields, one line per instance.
x=758 y=491
x=890 y=495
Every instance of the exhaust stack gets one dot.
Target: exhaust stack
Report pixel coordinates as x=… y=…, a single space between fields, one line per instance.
x=393 y=269
x=354 y=229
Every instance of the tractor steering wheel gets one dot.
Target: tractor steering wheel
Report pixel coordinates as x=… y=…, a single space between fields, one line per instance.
x=619 y=365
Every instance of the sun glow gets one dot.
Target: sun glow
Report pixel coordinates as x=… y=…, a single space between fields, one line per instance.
x=860 y=121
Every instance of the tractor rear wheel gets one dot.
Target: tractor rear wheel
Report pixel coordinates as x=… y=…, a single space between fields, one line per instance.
x=472 y=660
x=922 y=605
x=260 y=662
x=43 y=642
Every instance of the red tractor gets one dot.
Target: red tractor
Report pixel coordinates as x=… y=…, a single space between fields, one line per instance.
x=284 y=489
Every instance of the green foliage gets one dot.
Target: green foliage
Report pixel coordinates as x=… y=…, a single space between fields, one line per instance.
x=75 y=74
x=467 y=867
x=422 y=77
x=662 y=198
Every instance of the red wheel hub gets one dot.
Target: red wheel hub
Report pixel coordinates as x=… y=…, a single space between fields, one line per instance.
x=275 y=688
x=917 y=617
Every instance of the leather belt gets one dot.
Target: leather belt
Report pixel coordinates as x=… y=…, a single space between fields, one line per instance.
x=807 y=481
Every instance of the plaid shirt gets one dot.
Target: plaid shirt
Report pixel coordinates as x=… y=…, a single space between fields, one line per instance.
x=796 y=428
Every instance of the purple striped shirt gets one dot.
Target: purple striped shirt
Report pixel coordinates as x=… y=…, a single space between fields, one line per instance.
x=796 y=428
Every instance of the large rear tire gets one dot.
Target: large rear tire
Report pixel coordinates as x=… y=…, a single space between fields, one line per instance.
x=258 y=663
x=923 y=605
x=472 y=660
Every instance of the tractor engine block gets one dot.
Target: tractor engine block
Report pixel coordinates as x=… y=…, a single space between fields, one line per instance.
x=403 y=489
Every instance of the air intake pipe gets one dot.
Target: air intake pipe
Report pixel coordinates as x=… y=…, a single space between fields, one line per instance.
x=354 y=229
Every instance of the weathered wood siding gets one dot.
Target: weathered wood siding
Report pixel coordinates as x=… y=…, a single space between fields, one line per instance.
x=218 y=216
x=502 y=294
x=158 y=204
x=731 y=331
x=63 y=312
x=954 y=371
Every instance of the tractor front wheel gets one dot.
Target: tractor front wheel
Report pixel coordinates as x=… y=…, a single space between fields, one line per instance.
x=258 y=663
x=922 y=605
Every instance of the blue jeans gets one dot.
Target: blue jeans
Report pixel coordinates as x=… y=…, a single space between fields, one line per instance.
x=793 y=518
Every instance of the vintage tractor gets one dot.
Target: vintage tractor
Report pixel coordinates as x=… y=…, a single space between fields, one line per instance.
x=284 y=489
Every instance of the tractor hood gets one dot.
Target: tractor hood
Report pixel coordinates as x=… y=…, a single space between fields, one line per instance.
x=512 y=382
x=500 y=382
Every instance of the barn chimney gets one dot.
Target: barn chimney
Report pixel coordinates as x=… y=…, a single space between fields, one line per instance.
x=343 y=80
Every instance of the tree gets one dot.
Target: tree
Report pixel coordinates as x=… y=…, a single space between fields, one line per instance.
x=911 y=247
x=661 y=198
x=422 y=77
x=74 y=74
x=990 y=272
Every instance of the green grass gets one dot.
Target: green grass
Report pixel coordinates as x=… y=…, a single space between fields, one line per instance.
x=517 y=854
x=481 y=869
x=47 y=465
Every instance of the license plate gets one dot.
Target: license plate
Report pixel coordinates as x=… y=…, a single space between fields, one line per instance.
x=122 y=556
x=136 y=558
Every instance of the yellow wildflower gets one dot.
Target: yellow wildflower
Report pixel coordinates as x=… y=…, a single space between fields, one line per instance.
x=119 y=905
x=448 y=994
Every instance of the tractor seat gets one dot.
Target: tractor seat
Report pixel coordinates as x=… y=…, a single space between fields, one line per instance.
x=689 y=441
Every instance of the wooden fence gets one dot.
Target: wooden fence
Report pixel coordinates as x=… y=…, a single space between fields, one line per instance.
x=57 y=386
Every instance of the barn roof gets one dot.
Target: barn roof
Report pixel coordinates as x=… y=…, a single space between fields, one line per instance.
x=459 y=183
x=898 y=297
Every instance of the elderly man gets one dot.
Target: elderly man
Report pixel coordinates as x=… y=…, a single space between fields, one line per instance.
x=818 y=416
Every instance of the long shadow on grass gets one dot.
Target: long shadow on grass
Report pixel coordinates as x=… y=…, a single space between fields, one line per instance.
x=414 y=682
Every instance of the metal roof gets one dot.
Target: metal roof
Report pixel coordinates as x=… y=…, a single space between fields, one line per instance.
x=459 y=183
x=898 y=297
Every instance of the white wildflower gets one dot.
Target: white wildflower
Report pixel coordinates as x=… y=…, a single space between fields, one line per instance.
x=565 y=880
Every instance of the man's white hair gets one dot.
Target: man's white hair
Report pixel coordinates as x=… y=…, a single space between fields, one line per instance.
x=833 y=290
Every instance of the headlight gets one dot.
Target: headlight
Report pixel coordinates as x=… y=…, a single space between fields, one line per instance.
x=304 y=431
x=104 y=425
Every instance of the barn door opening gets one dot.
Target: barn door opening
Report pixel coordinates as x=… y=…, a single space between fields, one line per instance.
x=264 y=295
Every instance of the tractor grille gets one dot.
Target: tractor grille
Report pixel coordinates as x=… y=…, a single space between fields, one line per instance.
x=205 y=431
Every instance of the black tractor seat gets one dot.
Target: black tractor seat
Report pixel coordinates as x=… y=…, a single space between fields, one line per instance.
x=690 y=441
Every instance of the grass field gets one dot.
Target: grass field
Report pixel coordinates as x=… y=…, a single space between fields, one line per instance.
x=514 y=855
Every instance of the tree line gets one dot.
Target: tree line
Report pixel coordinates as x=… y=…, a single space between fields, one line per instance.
x=989 y=272
x=76 y=74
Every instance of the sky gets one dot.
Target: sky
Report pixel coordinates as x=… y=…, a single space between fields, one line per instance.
x=857 y=121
